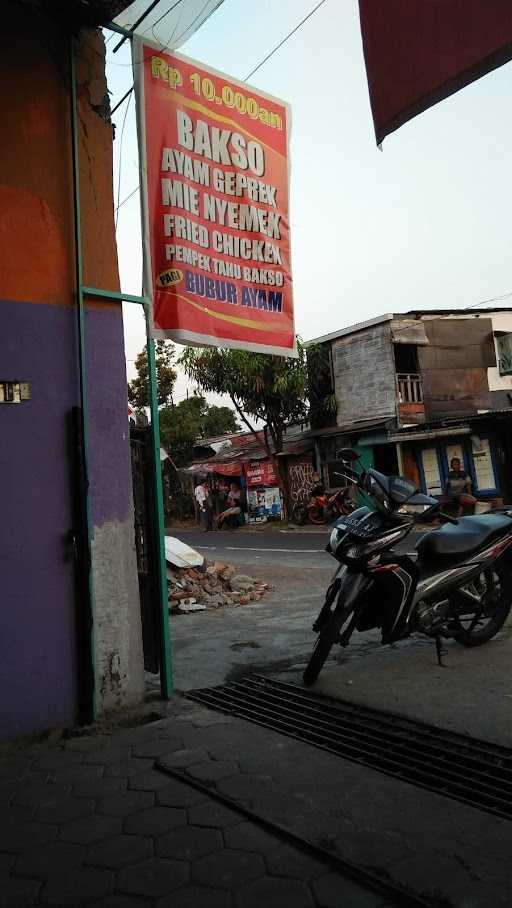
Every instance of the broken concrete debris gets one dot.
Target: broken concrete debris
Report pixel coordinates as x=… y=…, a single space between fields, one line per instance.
x=211 y=585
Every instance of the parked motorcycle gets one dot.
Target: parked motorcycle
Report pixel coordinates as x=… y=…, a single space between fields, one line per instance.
x=460 y=586
x=323 y=508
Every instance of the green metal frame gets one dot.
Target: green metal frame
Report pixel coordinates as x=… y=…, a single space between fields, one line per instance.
x=82 y=367
x=166 y=678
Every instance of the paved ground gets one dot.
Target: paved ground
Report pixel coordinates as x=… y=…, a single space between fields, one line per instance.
x=91 y=822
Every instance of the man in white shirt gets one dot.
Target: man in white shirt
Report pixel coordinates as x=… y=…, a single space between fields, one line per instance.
x=200 y=495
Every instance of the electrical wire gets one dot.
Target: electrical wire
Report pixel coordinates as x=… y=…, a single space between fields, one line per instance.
x=285 y=39
x=493 y=299
x=128 y=197
x=269 y=55
x=119 y=164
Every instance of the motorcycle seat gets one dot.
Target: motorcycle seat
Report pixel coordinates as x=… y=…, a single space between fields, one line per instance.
x=457 y=541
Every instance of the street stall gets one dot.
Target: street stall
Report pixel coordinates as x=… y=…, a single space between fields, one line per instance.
x=264 y=500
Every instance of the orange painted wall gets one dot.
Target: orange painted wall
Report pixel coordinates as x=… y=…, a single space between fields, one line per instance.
x=36 y=210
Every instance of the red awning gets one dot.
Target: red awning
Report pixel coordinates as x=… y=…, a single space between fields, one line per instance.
x=418 y=52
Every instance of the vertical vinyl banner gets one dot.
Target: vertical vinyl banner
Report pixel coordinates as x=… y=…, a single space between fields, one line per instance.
x=214 y=171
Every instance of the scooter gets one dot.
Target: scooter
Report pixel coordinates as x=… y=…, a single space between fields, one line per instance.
x=459 y=587
x=322 y=509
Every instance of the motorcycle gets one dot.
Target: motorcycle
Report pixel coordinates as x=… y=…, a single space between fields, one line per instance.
x=460 y=586
x=323 y=508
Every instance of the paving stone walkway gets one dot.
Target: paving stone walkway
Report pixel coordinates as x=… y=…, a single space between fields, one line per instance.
x=90 y=821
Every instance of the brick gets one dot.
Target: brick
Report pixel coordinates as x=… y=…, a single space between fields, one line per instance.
x=228 y=869
x=88 y=743
x=41 y=795
x=275 y=893
x=212 y=771
x=213 y=814
x=182 y=759
x=7 y=792
x=85 y=884
x=58 y=759
x=128 y=768
x=14 y=814
x=121 y=901
x=24 y=836
x=108 y=756
x=18 y=893
x=249 y=837
x=6 y=862
x=98 y=788
x=197 y=897
x=90 y=829
x=149 y=781
x=179 y=794
x=57 y=857
x=119 y=851
x=76 y=774
x=188 y=843
x=155 y=821
x=126 y=802
x=158 y=748
x=287 y=861
x=13 y=769
x=154 y=878
x=332 y=890
x=246 y=785
x=65 y=810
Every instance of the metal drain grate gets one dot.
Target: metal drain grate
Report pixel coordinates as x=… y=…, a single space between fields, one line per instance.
x=466 y=769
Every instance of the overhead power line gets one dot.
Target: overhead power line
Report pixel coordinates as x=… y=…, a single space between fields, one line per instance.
x=285 y=39
x=256 y=68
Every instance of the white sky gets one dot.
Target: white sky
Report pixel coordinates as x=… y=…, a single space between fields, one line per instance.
x=423 y=224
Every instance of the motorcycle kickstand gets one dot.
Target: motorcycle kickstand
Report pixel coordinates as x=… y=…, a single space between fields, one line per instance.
x=439 y=651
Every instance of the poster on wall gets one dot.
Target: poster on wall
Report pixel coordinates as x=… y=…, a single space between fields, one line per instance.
x=214 y=188
x=264 y=504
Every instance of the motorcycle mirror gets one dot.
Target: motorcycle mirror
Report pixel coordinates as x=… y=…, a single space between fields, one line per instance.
x=348 y=455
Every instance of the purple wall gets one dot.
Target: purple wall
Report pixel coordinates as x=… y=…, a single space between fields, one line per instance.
x=110 y=468
x=38 y=664
x=37 y=637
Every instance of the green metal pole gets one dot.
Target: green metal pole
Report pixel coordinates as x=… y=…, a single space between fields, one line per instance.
x=166 y=683
x=114 y=295
x=84 y=400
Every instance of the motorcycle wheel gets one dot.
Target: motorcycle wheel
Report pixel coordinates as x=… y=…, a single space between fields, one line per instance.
x=324 y=643
x=491 y=583
x=316 y=516
x=299 y=514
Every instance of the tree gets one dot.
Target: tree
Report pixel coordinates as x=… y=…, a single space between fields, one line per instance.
x=182 y=424
x=218 y=421
x=138 y=388
x=273 y=389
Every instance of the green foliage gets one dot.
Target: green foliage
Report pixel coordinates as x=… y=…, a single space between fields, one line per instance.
x=323 y=406
x=181 y=425
x=273 y=389
x=138 y=389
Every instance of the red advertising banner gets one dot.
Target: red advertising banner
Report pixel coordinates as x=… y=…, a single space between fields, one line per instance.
x=214 y=178
x=261 y=473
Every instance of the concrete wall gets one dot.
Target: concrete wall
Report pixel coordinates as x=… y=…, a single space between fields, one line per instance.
x=364 y=375
x=38 y=649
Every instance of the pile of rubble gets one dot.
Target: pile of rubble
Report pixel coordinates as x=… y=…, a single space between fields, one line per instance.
x=211 y=585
